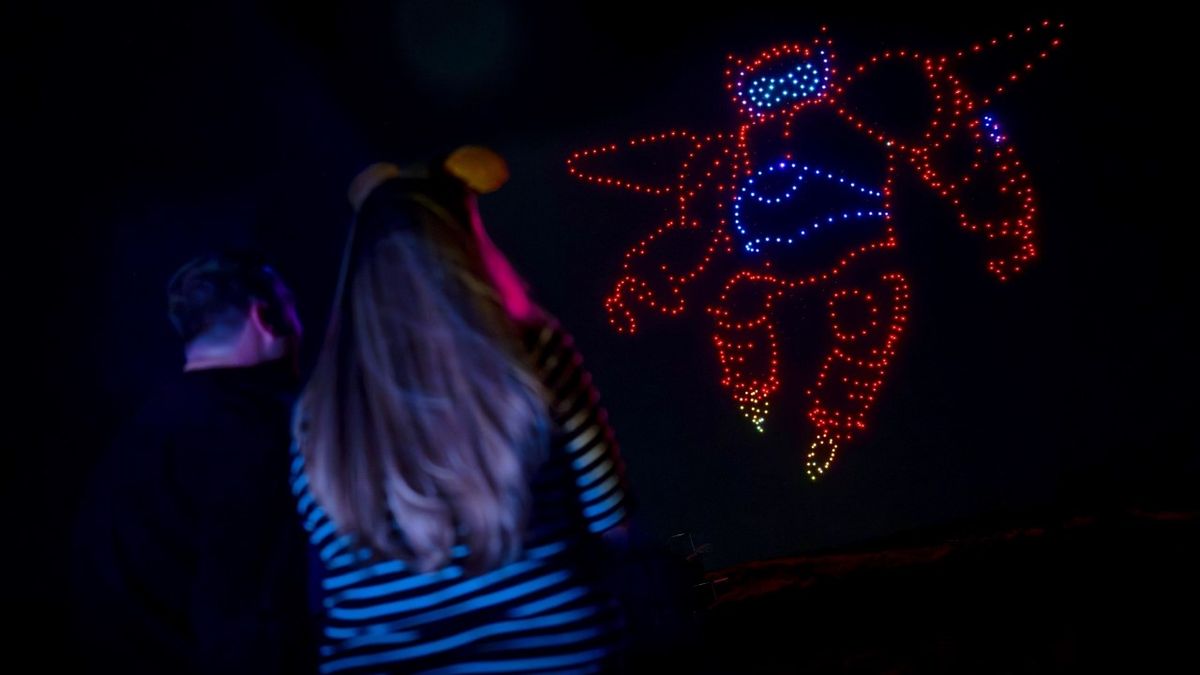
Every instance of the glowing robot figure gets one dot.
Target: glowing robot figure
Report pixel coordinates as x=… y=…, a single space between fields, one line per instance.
x=776 y=208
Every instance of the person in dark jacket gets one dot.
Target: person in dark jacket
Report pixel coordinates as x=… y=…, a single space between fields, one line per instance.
x=188 y=558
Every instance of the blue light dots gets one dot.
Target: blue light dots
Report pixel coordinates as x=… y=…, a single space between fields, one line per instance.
x=749 y=193
x=809 y=79
x=992 y=128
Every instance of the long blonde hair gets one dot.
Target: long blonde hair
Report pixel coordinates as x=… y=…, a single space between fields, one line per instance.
x=422 y=421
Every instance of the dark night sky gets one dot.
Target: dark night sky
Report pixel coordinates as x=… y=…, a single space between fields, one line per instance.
x=147 y=136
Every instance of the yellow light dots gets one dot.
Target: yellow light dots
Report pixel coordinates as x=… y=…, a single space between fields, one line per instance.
x=820 y=455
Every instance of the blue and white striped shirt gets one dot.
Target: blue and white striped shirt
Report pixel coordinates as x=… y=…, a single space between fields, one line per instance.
x=541 y=613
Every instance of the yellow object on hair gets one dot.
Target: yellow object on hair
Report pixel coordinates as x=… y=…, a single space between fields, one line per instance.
x=479 y=168
x=369 y=179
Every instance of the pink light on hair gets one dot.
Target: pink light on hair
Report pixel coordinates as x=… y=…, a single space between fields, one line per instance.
x=504 y=278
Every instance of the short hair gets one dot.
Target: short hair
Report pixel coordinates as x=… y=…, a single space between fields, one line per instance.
x=211 y=295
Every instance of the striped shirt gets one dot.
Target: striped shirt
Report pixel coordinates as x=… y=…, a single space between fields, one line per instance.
x=541 y=613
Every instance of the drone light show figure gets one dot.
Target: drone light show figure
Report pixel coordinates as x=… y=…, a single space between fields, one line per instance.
x=797 y=200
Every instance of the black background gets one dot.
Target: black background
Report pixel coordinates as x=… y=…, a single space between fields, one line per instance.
x=140 y=137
